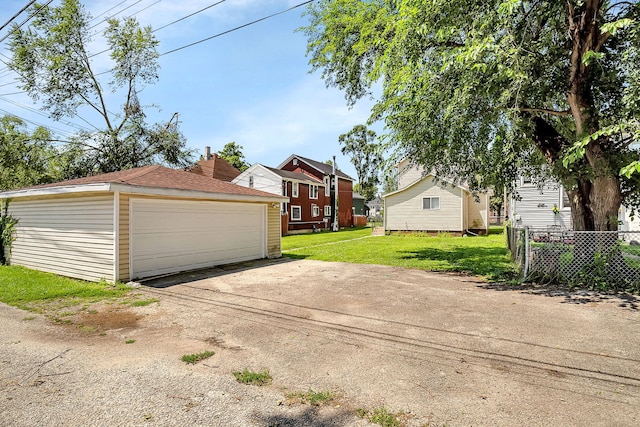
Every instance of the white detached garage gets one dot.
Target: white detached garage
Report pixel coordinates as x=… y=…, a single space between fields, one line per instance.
x=141 y=223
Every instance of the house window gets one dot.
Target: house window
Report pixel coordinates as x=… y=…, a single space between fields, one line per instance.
x=296 y=213
x=250 y=181
x=431 y=203
x=327 y=190
x=294 y=189
x=564 y=199
x=327 y=210
x=313 y=191
x=315 y=210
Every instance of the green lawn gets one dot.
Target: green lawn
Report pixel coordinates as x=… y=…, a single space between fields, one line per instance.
x=312 y=239
x=29 y=289
x=483 y=255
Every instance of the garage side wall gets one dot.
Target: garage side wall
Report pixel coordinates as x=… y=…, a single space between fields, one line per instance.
x=274 y=231
x=123 y=258
x=70 y=236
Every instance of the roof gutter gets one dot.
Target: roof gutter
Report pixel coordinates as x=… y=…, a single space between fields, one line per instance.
x=133 y=189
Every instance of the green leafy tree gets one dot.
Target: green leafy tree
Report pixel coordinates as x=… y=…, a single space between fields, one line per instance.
x=482 y=91
x=25 y=157
x=54 y=65
x=359 y=144
x=232 y=153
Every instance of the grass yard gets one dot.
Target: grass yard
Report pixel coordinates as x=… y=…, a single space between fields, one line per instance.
x=31 y=289
x=296 y=241
x=483 y=255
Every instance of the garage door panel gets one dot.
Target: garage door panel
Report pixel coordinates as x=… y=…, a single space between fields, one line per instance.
x=172 y=236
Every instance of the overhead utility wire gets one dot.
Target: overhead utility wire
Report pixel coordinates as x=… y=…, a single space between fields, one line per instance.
x=117 y=13
x=237 y=28
x=17 y=14
x=189 y=16
x=170 y=23
x=108 y=10
x=26 y=20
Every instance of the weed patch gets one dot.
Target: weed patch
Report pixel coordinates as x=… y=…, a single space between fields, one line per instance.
x=196 y=357
x=382 y=417
x=254 y=378
x=144 y=302
x=314 y=398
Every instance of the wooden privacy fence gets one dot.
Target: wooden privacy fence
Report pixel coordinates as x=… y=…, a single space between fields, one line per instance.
x=359 y=220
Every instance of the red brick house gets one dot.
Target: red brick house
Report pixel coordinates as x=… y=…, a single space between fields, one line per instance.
x=321 y=195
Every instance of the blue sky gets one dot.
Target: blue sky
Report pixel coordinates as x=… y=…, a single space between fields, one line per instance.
x=251 y=86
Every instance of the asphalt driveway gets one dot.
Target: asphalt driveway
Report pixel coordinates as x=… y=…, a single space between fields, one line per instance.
x=444 y=349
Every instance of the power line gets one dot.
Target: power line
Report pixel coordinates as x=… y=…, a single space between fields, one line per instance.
x=17 y=14
x=36 y=111
x=108 y=10
x=189 y=16
x=26 y=20
x=117 y=13
x=237 y=28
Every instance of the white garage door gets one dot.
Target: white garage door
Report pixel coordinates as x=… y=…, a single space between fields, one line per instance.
x=168 y=236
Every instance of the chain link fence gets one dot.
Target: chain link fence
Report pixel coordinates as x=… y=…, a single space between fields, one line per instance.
x=593 y=259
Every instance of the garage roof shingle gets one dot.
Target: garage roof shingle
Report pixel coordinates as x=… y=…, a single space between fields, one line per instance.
x=157 y=176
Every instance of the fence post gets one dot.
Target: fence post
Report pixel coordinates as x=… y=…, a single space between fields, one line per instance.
x=526 y=252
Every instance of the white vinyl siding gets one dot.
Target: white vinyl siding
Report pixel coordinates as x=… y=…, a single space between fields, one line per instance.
x=407 y=175
x=477 y=211
x=260 y=178
x=169 y=236
x=70 y=236
x=404 y=209
x=533 y=207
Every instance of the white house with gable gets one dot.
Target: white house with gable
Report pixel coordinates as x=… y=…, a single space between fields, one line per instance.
x=425 y=203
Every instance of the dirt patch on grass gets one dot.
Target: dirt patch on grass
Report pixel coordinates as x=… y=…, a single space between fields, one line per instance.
x=110 y=318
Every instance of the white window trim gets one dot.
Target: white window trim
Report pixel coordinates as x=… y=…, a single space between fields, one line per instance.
x=317 y=192
x=299 y=211
x=561 y=204
x=327 y=181
x=430 y=203
x=294 y=189
x=327 y=210
x=315 y=211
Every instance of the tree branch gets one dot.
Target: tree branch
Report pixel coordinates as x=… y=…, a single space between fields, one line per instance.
x=545 y=111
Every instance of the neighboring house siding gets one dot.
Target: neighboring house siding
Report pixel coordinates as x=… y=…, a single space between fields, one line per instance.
x=533 y=207
x=123 y=238
x=404 y=209
x=70 y=236
x=274 y=248
x=262 y=180
x=345 y=203
x=407 y=174
x=476 y=212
